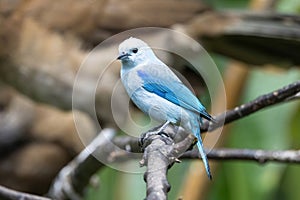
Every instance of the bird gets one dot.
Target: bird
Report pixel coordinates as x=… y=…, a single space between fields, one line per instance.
x=158 y=92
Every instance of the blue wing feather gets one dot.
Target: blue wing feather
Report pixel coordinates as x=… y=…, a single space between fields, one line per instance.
x=161 y=91
x=173 y=91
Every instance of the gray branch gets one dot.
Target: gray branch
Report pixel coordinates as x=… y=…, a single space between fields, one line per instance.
x=73 y=178
x=160 y=152
x=9 y=194
x=261 y=156
x=272 y=98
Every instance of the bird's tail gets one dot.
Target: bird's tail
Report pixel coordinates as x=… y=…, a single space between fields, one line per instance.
x=203 y=155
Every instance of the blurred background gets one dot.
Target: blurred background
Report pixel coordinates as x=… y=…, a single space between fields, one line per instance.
x=255 y=44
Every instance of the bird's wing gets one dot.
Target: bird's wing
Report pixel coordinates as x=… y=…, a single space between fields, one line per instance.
x=173 y=91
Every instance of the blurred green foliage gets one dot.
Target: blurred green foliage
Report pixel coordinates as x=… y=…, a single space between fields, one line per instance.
x=288 y=6
x=228 y=4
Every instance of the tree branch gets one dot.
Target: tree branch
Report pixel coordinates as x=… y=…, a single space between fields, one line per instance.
x=9 y=194
x=253 y=106
x=261 y=156
x=257 y=38
x=73 y=178
x=160 y=153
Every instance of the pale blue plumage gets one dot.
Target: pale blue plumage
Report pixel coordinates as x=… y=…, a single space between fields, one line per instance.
x=186 y=99
x=158 y=92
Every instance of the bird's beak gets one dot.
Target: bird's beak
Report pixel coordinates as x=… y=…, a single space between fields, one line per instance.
x=123 y=56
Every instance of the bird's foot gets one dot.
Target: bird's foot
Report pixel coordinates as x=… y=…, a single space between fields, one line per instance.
x=160 y=132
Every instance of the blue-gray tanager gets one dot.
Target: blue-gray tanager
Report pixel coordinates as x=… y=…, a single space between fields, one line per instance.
x=158 y=92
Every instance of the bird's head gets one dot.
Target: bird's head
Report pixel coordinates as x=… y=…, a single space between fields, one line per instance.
x=133 y=51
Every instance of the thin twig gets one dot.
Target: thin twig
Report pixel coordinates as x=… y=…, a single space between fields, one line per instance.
x=9 y=194
x=259 y=103
x=74 y=177
x=261 y=156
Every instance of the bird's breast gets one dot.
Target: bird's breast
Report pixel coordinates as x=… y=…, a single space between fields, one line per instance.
x=131 y=81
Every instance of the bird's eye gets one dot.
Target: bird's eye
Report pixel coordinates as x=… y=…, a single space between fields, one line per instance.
x=135 y=50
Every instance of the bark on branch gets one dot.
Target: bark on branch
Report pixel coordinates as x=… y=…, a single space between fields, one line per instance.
x=9 y=194
x=160 y=152
x=272 y=98
x=258 y=155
